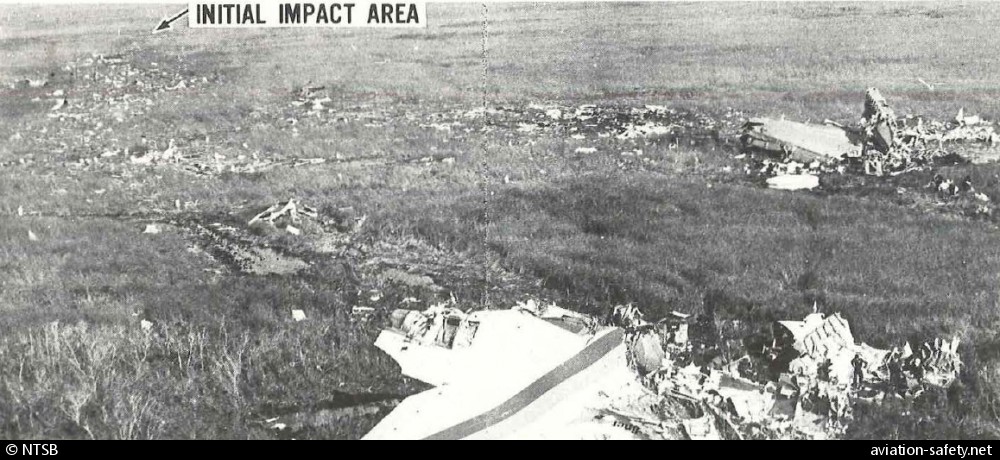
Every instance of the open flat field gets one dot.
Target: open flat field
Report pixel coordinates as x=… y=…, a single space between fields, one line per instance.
x=137 y=302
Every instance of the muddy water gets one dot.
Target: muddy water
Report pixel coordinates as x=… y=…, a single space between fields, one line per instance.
x=290 y=420
x=233 y=248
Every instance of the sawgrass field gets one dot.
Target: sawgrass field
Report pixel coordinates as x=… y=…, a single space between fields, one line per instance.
x=506 y=218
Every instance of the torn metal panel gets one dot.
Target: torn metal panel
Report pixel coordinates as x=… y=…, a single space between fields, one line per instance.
x=817 y=336
x=827 y=337
x=701 y=428
x=801 y=142
x=937 y=362
x=879 y=123
x=566 y=319
x=503 y=340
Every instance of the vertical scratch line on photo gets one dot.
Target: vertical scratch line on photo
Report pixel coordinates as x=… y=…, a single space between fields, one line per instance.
x=484 y=166
x=485 y=58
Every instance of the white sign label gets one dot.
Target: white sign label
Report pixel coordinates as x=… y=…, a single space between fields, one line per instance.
x=307 y=14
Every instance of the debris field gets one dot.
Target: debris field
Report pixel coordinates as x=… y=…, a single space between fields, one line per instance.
x=805 y=384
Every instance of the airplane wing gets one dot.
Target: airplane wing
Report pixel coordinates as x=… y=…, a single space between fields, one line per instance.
x=521 y=377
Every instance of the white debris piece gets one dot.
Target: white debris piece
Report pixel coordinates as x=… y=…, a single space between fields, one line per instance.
x=793 y=182
x=298 y=315
x=585 y=150
x=292 y=209
x=32 y=236
x=482 y=360
x=20 y=211
x=970 y=120
x=146 y=325
x=527 y=127
x=701 y=428
x=293 y=230
x=632 y=131
x=152 y=229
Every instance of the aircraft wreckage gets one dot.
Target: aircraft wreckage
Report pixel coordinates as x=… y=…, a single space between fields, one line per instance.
x=881 y=143
x=544 y=372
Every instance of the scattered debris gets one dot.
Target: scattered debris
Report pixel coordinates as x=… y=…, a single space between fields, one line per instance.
x=298 y=315
x=701 y=428
x=152 y=229
x=804 y=385
x=882 y=143
x=439 y=325
x=110 y=94
x=292 y=209
x=59 y=104
x=648 y=129
x=180 y=85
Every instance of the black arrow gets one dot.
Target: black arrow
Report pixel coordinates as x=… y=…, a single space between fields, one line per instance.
x=165 y=24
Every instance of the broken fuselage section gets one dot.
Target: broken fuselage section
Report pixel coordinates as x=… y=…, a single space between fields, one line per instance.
x=802 y=142
x=530 y=372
